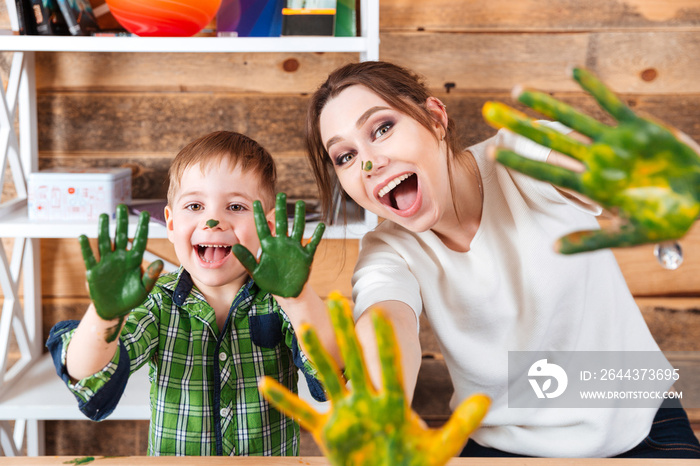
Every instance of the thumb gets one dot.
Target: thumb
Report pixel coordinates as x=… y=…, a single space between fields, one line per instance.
x=151 y=275
x=245 y=256
x=463 y=422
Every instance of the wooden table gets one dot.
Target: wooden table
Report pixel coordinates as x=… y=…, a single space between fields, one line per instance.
x=320 y=461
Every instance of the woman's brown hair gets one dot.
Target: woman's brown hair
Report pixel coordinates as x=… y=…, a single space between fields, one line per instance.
x=402 y=89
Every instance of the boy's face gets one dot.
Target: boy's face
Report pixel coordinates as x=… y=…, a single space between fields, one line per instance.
x=222 y=194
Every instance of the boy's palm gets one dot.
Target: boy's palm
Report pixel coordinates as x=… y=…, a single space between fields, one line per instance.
x=116 y=283
x=365 y=426
x=641 y=170
x=285 y=264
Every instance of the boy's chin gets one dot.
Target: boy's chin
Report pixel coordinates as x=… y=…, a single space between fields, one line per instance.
x=214 y=277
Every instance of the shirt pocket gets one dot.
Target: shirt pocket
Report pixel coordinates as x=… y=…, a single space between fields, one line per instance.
x=266 y=330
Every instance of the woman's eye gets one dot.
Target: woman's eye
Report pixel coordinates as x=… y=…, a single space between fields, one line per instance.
x=382 y=130
x=194 y=207
x=342 y=159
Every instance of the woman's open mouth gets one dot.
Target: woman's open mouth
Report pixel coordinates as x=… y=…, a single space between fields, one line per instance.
x=213 y=253
x=401 y=193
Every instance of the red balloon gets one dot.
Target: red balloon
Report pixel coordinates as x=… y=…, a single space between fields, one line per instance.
x=164 y=18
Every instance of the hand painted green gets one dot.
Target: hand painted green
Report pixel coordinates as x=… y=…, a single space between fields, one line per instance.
x=369 y=426
x=284 y=263
x=115 y=281
x=640 y=170
x=212 y=223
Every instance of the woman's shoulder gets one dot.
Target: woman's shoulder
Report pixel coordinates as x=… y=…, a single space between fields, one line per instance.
x=391 y=238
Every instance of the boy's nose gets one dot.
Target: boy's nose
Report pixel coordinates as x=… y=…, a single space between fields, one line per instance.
x=211 y=223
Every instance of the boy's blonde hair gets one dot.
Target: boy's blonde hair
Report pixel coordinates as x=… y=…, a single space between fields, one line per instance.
x=235 y=148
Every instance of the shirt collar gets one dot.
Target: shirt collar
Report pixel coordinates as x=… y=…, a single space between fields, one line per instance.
x=184 y=285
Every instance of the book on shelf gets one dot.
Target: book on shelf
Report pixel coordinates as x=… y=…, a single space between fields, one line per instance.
x=346 y=18
x=105 y=20
x=309 y=18
x=25 y=17
x=113 y=34
x=48 y=18
x=250 y=18
x=79 y=17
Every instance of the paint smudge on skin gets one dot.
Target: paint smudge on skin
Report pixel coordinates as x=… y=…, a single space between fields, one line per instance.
x=212 y=223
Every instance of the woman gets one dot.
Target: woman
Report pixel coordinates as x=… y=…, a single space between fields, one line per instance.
x=469 y=242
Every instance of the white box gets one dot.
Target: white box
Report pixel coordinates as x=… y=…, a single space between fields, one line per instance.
x=76 y=194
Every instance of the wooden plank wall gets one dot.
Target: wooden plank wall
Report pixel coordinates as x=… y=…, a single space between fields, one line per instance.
x=137 y=110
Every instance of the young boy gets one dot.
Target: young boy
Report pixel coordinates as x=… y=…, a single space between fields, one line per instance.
x=207 y=331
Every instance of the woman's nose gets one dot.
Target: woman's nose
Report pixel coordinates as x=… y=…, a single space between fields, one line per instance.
x=373 y=164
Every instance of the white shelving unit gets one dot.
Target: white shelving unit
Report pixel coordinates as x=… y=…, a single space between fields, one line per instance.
x=30 y=391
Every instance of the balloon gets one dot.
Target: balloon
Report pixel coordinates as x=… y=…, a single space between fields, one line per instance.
x=166 y=18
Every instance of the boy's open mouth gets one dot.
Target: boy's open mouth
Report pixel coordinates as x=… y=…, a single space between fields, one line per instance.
x=212 y=253
x=401 y=192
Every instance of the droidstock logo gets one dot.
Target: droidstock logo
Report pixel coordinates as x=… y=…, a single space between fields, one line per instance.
x=546 y=372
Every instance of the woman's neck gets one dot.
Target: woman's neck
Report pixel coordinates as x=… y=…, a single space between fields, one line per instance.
x=458 y=225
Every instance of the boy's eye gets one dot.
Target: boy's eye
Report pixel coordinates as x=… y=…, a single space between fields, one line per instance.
x=194 y=207
x=236 y=207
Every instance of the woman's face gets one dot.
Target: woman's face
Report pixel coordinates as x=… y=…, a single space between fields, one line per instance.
x=408 y=181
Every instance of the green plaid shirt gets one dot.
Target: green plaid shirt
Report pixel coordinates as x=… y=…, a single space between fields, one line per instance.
x=204 y=396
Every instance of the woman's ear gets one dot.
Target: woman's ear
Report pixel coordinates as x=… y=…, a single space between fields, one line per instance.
x=438 y=112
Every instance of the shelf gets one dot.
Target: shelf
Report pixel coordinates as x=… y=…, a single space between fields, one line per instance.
x=31 y=392
x=16 y=43
x=41 y=394
x=17 y=224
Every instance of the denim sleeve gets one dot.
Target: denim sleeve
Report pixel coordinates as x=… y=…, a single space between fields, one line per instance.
x=99 y=393
x=301 y=360
x=303 y=363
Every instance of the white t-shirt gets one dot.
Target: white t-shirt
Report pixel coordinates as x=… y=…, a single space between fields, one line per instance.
x=512 y=292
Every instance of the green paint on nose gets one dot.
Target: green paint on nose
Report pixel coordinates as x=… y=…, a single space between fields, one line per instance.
x=212 y=223
x=368 y=166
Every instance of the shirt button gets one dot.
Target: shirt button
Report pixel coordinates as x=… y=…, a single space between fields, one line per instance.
x=222 y=356
x=224 y=412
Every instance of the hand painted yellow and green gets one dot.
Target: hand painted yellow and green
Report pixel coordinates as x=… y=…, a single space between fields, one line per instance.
x=640 y=170
x=364 y=425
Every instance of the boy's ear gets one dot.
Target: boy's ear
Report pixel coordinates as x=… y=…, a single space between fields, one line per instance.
x=270 y=216
x=168 y=214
